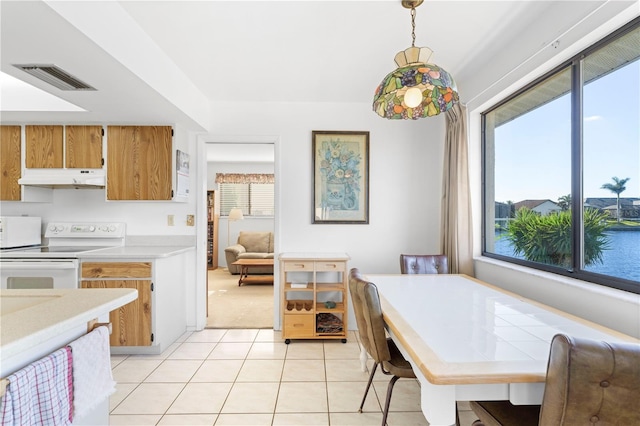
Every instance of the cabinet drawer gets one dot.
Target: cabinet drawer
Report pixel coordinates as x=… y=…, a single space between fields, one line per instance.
x=330 y=266
x=298 y=325
x=116 y=269
x=298 y=266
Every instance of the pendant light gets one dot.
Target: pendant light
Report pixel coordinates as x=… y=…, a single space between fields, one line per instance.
x=417 y=88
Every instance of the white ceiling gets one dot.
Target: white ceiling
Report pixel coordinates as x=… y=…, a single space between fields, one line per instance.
x=318 y=51
x=252 y=51
x=240 y=153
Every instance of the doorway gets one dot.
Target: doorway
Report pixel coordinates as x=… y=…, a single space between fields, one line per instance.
x=228 y=304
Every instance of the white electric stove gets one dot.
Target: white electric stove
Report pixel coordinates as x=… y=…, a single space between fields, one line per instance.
x=55 y=264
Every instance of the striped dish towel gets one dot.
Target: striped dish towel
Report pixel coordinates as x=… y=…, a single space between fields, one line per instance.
x=40 y=393
x=92 y=378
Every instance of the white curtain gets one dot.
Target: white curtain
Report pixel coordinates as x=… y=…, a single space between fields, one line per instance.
x=456 y=203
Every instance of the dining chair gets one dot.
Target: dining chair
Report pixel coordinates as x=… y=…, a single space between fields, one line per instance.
x=368 y=313
x=424 y=264
x=588 y=382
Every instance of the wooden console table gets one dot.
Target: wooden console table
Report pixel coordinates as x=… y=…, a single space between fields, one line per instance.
x=246 y=264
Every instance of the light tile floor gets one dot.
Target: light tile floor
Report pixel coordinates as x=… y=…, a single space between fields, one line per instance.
x=251 y=377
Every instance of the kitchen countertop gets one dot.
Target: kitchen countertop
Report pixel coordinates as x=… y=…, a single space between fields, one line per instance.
x=31 y=318
x=150 y=251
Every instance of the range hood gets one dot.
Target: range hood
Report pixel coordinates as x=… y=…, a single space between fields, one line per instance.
x=64 y=178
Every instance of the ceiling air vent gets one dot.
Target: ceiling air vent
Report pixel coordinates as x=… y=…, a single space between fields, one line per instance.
x=55 y=76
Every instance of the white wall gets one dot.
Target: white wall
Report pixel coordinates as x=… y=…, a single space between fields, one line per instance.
x=616 y=309
x=404 y=189
x=405 y=184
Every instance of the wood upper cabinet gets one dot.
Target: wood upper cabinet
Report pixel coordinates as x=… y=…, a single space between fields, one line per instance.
x=83 y=147
x=139 y=162
x=80 y=149
x=10 y=154
x=44 y=147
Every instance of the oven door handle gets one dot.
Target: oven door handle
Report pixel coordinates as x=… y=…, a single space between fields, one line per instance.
x=37 y=266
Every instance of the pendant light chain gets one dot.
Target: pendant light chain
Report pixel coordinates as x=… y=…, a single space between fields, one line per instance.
x=413 y=26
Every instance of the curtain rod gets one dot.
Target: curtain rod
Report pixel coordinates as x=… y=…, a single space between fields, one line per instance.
x=553 y=44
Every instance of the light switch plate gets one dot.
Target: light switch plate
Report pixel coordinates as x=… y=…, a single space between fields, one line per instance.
x=191 y=220
x=170 y=220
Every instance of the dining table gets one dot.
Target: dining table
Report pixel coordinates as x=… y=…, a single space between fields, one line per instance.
x=469 y=340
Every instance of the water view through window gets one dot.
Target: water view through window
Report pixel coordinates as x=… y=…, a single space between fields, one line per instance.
x=621 y=262
x=539 y=159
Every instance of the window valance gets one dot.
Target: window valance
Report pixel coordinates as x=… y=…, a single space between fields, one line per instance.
x=244 y=178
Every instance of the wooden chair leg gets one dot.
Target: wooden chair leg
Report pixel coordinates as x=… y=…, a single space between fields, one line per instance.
x=393 y=381
x=366 y=391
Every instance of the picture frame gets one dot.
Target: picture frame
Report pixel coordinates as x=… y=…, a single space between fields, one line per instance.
x=340 y=177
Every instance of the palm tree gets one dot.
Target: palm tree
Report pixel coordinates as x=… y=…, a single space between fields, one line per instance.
x=617 y=187
x=565 y=202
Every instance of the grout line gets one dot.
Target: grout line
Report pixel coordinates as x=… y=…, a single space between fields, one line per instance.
x=244 y=360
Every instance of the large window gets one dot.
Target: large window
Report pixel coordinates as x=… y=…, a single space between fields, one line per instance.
x=561 y=164
x=252 y=193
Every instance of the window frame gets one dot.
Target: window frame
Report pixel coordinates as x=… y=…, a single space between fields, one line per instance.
x=575 y=64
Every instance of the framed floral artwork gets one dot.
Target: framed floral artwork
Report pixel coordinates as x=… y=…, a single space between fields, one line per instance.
x=340 y=177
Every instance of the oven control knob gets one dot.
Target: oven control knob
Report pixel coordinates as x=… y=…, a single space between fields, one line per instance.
x=92 y=228
x=52 y=228
x=112 y=228
x=103 y=229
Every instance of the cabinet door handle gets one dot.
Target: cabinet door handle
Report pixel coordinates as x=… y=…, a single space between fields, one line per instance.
x=298 y=325
x=299 y=265
x=332 y=265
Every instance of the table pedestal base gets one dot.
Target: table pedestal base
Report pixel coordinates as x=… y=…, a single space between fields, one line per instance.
x=255 y=279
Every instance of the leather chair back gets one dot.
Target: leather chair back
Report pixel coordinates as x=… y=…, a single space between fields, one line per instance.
x=424 y=264
x=591 y=382
x=368 y=313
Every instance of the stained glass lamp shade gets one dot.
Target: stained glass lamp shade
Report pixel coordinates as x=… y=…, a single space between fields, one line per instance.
x=416 y=89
